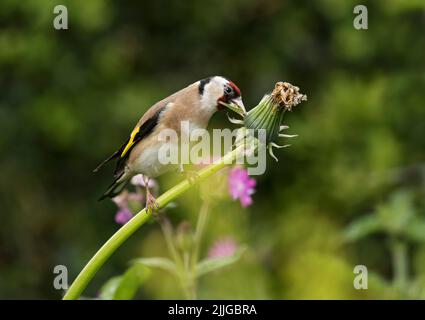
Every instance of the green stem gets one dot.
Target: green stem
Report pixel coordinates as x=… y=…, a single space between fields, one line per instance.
x=182 y=262
x=200 y=227
x=189 y=276
x=400 y=263
x=110 y=246
x=188 y=279
x=167 y=230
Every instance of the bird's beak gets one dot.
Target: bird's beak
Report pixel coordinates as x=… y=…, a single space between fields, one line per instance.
x=236 y=105
x=239 y=103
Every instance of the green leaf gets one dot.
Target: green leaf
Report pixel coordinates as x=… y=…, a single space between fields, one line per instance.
x=158 y=262
x=397 y=213
x=362 y=228
x=212 y=264
x=107 y=292
x=124 y=287
x=415 y=230
x=130 y=282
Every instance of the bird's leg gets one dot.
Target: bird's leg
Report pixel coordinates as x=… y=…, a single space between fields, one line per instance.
x=151 y=203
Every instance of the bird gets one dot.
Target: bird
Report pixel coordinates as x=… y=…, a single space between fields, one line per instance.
x=195 y=103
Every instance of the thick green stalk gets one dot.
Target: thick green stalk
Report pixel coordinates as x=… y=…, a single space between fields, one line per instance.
x=110 y=246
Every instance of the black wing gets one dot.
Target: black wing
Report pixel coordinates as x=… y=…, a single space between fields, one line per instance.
x=137 y=135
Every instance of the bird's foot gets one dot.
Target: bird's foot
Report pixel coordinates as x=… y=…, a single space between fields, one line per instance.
x=151 y=203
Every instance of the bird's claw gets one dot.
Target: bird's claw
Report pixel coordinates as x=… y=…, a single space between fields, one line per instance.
x=151 y=203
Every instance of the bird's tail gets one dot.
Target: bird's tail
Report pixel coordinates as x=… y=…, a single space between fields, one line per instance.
x=114 y=189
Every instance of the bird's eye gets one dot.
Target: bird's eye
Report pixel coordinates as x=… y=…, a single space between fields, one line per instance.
x=228 y=90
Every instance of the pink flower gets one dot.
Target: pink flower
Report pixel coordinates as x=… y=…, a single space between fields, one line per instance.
x=123 y=216
x=241 y=186
x=223 y=248
x=122 y=200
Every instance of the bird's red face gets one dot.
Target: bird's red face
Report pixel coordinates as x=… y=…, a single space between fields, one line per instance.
x=231 y=94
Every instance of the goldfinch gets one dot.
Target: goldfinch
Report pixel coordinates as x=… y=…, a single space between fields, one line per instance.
x=196 y=104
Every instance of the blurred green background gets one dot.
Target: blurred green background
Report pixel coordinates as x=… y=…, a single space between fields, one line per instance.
x=349 y=191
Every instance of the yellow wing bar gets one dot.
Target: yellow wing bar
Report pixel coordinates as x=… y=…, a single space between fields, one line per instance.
x=131 y=141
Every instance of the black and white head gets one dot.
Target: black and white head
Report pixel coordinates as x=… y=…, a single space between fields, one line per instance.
x=218 y=91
